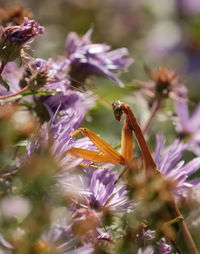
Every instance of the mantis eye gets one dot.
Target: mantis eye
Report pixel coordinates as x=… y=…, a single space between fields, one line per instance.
x=117 y=108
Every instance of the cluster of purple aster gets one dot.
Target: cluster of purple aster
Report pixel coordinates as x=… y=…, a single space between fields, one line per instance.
x=49 y=83
x=96 y=194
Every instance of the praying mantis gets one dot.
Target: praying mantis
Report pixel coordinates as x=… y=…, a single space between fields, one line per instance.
x=108 y=154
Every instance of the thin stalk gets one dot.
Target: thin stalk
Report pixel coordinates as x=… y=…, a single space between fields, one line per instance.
x=14 y=94
x=135 y=163
x=175 y=246
x=8 y=174
x=155 y=107
x=185 y=236
x=120 y=175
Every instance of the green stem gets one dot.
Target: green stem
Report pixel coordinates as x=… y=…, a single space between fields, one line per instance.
x=185 y=237
x=14 y=94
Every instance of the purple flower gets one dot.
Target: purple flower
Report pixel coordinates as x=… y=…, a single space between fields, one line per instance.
x=146 y=236
x=58 y=76
x=69 y=99
x=35 y=76
x=96 y=190
x=60 y=239
x=52 y=76
x=13 y=39
x=56 y=133
x=61 y=101
x=89 y=59
x=188 y=126
x=163 y=247
x=21 y=34
x=47 y=74
x=169 y=164
x=106 y=194
x=191 y=6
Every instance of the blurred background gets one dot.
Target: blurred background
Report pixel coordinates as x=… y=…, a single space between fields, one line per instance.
x=156 y=33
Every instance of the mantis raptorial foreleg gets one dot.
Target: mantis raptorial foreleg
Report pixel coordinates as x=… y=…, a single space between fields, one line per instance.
x=107 y=154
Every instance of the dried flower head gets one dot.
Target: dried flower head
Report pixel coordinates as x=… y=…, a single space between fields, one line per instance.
x=165 y=83
x=13 y=39
x=163 y=247
x=36 y=75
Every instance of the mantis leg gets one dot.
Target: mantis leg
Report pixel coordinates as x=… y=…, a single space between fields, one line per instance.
x=127 y=142
x=107 y=153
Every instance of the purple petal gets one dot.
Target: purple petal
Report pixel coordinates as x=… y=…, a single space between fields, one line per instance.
x=192 y=166
x=183 y=114
x=172 y=155
x=102 y=185
x=194 y=122
x=104 y=70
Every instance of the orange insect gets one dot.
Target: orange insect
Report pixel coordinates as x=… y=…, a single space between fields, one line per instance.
x=109 y=155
